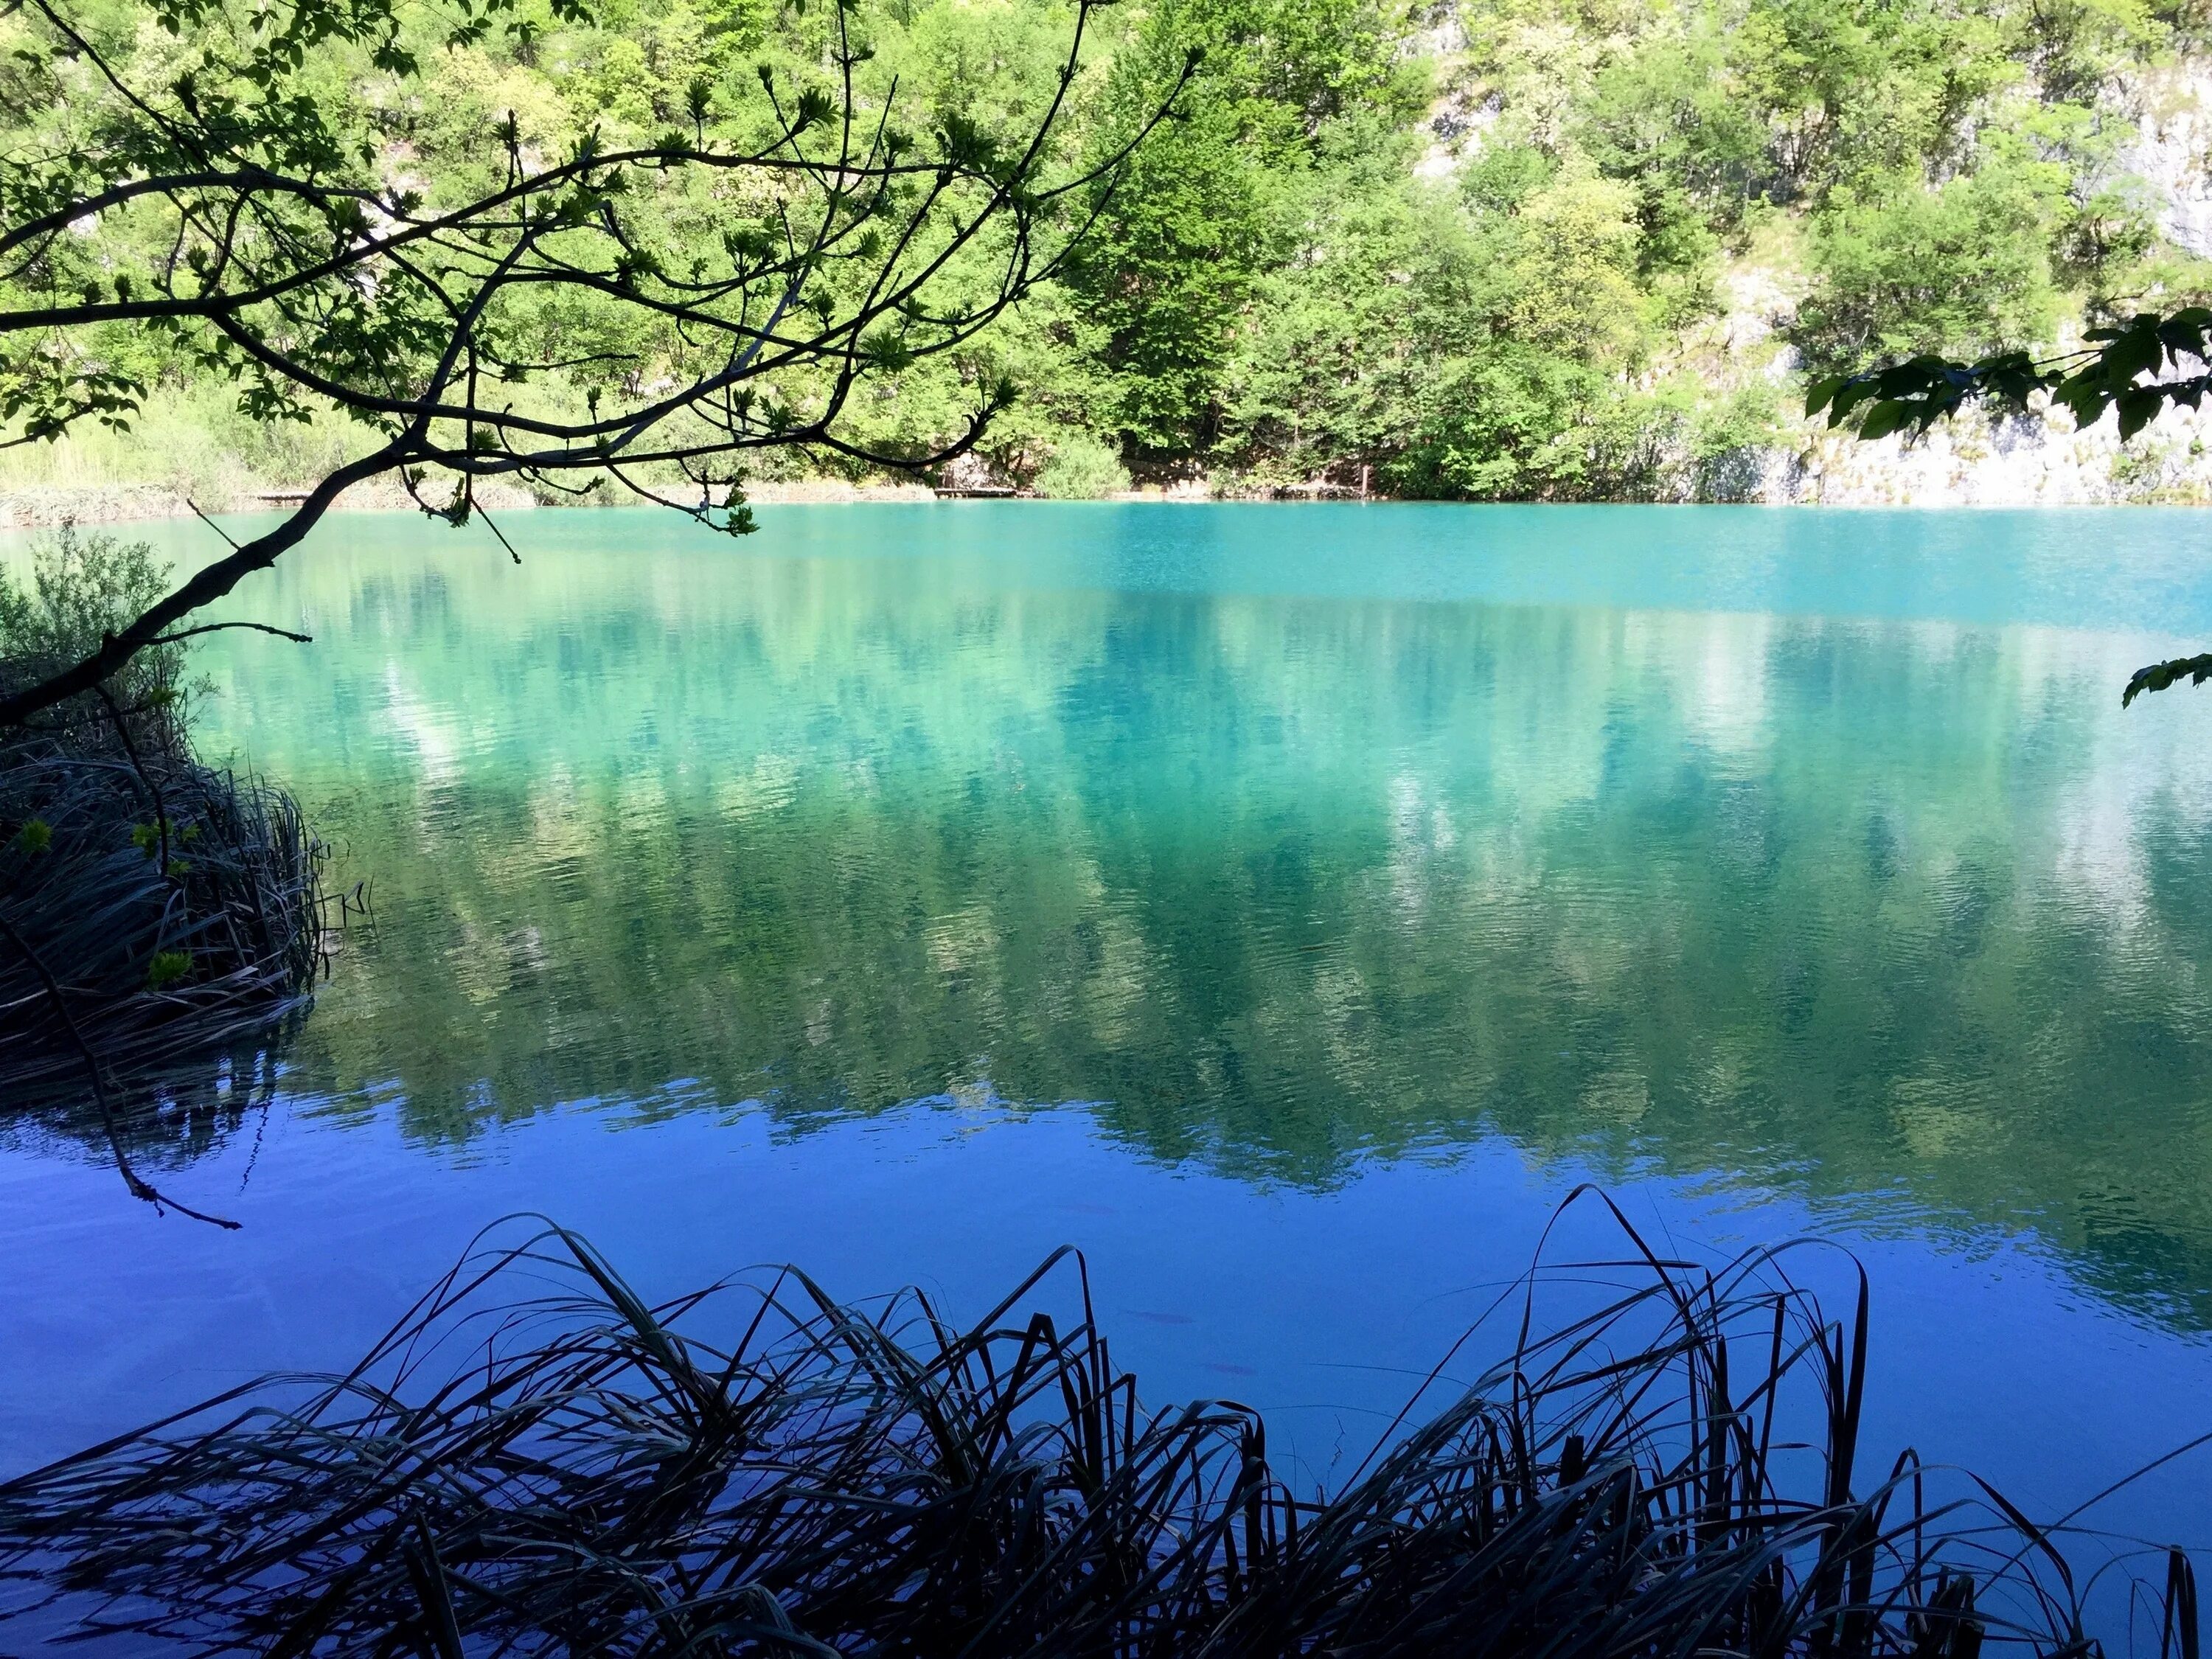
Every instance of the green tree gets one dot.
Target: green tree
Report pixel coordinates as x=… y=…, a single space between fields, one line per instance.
x=704 y=271
x=1313 y=271
x=1207 y=210
x=1964 y=267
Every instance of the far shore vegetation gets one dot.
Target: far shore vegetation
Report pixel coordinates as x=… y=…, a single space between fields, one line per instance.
x=1488 y=250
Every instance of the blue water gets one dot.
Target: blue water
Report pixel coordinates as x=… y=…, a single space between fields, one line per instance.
x=1290 y=906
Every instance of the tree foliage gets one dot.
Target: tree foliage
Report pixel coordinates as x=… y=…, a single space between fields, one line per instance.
x=1496 y=269
x=82 y=589
x=297 y=199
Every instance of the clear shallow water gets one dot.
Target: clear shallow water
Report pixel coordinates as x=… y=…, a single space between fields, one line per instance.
x=1288 y=905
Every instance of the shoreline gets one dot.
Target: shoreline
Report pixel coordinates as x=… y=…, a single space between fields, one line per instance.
x=50 y=507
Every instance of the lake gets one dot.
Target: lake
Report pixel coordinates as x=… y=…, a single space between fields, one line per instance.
x=1289 y=905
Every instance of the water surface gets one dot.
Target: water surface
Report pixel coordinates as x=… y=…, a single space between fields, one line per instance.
x=1287 y=904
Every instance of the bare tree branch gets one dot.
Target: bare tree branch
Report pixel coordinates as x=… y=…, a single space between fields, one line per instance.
x=220 y=627
x=209 y=584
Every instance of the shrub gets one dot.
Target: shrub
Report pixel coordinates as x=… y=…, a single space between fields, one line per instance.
x=151 y=908
x=1963 y=268
x=81 y=589
x=1081 y=468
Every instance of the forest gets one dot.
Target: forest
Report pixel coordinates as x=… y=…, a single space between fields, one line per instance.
x=1499 y=251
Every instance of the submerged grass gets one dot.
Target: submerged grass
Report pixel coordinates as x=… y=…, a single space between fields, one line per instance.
x=534 y=1461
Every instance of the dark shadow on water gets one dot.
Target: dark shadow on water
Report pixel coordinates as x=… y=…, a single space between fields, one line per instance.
x=167 y=1117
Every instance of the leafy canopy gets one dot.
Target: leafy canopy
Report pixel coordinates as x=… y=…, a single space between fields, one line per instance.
x=230 y=188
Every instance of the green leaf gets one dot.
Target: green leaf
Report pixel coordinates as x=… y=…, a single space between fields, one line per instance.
x=35 y=836
x=167 y=967
x=2135 y=352
x=2138 y=407
x=2160 y=675
x=886 y=351
x=1883 y=419
x=1853 y=393
x=2179 y=333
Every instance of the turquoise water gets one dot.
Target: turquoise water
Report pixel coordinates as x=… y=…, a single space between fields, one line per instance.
x=1289 y=905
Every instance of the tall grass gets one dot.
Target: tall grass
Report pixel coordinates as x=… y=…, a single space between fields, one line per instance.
x=192 y=440
x=161 y=910
x=534 y=1461
x=151 y=908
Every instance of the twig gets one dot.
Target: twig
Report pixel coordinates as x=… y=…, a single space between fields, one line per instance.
x=217 y=627
x=501 y=534
x=211 y=523
x=130 y=748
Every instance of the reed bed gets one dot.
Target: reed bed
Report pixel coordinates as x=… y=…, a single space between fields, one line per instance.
x=536 y=1461
x=150 y=908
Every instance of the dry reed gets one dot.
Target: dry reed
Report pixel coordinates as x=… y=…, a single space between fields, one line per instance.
x=534 y=1461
